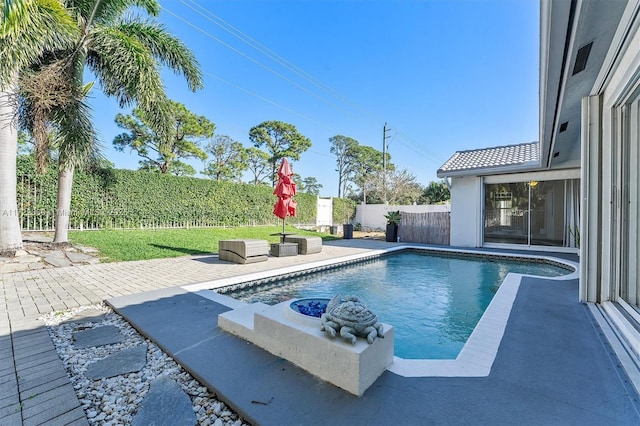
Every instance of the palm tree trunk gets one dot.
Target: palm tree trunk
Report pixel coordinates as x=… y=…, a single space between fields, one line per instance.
x=63 y=210
x=10 y=236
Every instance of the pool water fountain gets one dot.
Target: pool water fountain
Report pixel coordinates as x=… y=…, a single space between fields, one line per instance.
x=293 y=330
x=311 y=307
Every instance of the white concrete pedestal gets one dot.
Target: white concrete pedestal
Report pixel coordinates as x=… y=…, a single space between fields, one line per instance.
x=298 y=339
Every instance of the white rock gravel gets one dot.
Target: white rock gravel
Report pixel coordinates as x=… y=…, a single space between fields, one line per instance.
x=114 y=401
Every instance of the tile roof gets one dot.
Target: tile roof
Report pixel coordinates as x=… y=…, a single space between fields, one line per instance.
x=501 y=157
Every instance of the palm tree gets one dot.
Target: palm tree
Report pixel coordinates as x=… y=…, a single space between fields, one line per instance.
x=125 y=54
x=27 y=29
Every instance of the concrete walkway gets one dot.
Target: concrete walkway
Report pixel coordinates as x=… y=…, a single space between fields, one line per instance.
x=582 y=386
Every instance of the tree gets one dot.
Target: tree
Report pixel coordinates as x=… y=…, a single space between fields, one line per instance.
x=159 y=148
x=27 y=29
x=435 y=193
x=176 y=168
x=258 y=164
x=53 y=109
x=367 y=162
x=281 y=140
x=125 y=53
x=311 y=185
x=299 y=182
x=229 y=159
x=343 y=147
x=401 y=187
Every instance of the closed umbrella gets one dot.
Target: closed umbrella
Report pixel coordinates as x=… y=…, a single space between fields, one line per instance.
x=285 y=190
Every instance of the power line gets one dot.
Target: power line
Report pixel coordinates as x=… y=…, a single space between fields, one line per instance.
x=271 y=55
x=226 y=26
x=262 y=98
x=417 y=147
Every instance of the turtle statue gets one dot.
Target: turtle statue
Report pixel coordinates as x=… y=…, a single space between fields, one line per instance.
x=351 y=318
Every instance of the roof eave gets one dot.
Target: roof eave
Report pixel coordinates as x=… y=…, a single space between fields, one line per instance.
x=486 y=171
x=555 y=21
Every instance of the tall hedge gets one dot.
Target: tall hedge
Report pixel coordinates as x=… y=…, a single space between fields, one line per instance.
x=344 y=210
x=125 y=198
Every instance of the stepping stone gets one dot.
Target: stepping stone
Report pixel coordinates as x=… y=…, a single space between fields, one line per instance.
x=35 y=266
x=9 y=268
x=98 y=336
x=85 y=249
x=27 y=258
x=88 y=315
x=165 y=404
x=78 y=257
x=125 y=361
x=57 y=260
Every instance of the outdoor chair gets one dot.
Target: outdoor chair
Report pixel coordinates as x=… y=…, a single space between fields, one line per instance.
x=243 y=251
x=306 y=245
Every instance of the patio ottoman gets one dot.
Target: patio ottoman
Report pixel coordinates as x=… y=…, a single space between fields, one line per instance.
x=306 y=245
x=284 y=249
x=243 y=251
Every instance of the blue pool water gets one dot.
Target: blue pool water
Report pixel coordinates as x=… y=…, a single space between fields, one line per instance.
x=434 y=302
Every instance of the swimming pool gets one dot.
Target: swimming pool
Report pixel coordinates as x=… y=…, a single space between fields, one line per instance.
x=434 y=301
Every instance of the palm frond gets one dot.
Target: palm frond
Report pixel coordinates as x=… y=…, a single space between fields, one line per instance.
x=125 y=68
x=167 y=49
x=30 y=27
x=44 y=90
x=107 y=11
x=77 y=141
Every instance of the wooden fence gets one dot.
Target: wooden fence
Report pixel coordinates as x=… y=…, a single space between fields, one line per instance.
x=425 y=228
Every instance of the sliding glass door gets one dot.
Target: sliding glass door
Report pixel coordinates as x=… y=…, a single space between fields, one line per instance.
x=540 y=213
x=629 y=158
x=506 y=213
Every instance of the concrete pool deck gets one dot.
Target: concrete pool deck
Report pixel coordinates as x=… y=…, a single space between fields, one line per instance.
x=553 y=365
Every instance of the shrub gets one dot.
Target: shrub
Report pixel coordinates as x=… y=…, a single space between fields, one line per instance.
x=114 y=198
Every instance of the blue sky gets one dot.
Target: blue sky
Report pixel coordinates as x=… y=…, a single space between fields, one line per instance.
x=444 y=75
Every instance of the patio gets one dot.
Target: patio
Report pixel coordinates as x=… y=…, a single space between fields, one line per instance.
x=554 y=365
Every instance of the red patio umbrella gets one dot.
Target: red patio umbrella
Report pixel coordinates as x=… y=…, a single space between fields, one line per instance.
x=285 y=190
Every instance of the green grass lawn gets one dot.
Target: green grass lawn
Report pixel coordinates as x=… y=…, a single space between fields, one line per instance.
x=124 y=245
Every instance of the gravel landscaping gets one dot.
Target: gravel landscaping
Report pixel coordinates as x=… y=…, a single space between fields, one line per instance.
x=117 y=400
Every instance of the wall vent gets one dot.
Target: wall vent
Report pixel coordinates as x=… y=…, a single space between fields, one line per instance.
x=581 y=58
x=563 y=127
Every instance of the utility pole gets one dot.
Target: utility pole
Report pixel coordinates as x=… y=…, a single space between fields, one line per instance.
x=385 y=129
x=384 y=147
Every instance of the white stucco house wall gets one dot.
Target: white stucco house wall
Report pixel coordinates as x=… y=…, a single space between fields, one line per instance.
x=590 y=63
x=589 y=135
